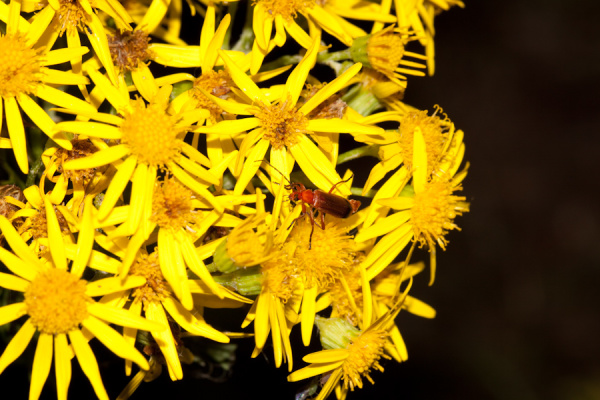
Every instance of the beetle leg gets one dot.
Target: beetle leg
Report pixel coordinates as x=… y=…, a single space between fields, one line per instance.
x=323 y=220
x=312 y=228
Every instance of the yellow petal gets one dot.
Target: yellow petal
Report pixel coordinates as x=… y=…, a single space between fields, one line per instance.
x=112 y=94
x=387 y=249
x=308 y=313
x=190 y=323
x=228 y=127
x=297 y=79
x=261 y=322
x=62 y=99
x=16 y=132
x=209 y=58
x=243 y=81
x=330 y=89
x=251 y=165
x=165 y=340
x=113 y=284
x=299 y=35
x=114 y=341
x=195 y=186
x=88 y=362
x=43 y=121
x=99 y=41
x=17 y=345
x=91 y=129
x=57 y=247
x=26 y=265
x=123 y=317
x=13 y=311
x=337 y=125
x=313 y=370
x=117 y=186
x=327 y=356
x=144 y=82
x=62 y=365
x=42 y=362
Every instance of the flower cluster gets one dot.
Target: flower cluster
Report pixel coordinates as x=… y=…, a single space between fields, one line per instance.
x=139 y=195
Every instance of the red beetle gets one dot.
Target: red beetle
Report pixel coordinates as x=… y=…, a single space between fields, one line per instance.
x=323 y=202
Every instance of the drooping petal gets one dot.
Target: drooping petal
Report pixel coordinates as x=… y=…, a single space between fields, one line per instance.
x=42 y=362
x=17 y=345
x=62 y=365
x=88 y=362
x=114 y=341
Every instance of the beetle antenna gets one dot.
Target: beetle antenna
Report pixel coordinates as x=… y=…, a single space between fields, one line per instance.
x=272 y=166
x=344 y=181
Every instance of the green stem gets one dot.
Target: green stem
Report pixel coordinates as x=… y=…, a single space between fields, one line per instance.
x=357 y=191
x=281 y=62
x=335 y=56
x=364 y=151
x=35 y=171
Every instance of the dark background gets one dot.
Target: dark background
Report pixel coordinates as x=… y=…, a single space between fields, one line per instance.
x=517 y=290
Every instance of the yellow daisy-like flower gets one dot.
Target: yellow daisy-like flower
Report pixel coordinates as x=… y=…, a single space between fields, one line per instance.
x=420 y=15
x=84 y=182
x=283 y=126
x=75 y=16
x=397 y=148
x=24 y=73
x=327 y=15
x=149 y=138
x=425 y=216
x=385 y=52
x=59 y=303
x=155 y=299
x=351 y=356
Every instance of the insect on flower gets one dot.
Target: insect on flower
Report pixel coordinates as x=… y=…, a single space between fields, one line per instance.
x=318 y=201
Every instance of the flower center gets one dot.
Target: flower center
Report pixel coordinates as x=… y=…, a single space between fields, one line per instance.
x=151 y=133
x=365 y=352
x=288 y=9
x=282 y=124
x=172 y=205
x=330 y=255
x=20 y=66
x=156 y=287
x=435 y=132
x=56 y=301
x=71 y=16
x=434 y=211
x=385 y=52
x=128 y=49
x=81 y=148
x=217 y=83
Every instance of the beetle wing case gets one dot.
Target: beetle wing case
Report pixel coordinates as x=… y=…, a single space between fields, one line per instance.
x=332 y=204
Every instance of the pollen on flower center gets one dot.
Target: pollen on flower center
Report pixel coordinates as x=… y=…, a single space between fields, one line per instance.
x=330 y=255
x=217 y=83
x=434 y=211
x=364 y=354
x=435 y=131
x=156 y=287
x=151 y=133
x=288 y=9
x=56 y=301
x=129 y=48
x=20 y=66
x=71 y=16
x=282 y=124
x=172 y=205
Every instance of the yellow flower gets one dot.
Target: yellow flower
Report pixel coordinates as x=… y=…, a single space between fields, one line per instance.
x=328 y=15
x=150 y=138
x=74 y=16
x=24 y=74
x=58 y=303
x=384 y=51
x=420 y=15
x=283 y=126
x=424 y=216
x=155 y=299
x=397 y=148
x=351 y=354
x=85 y=182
